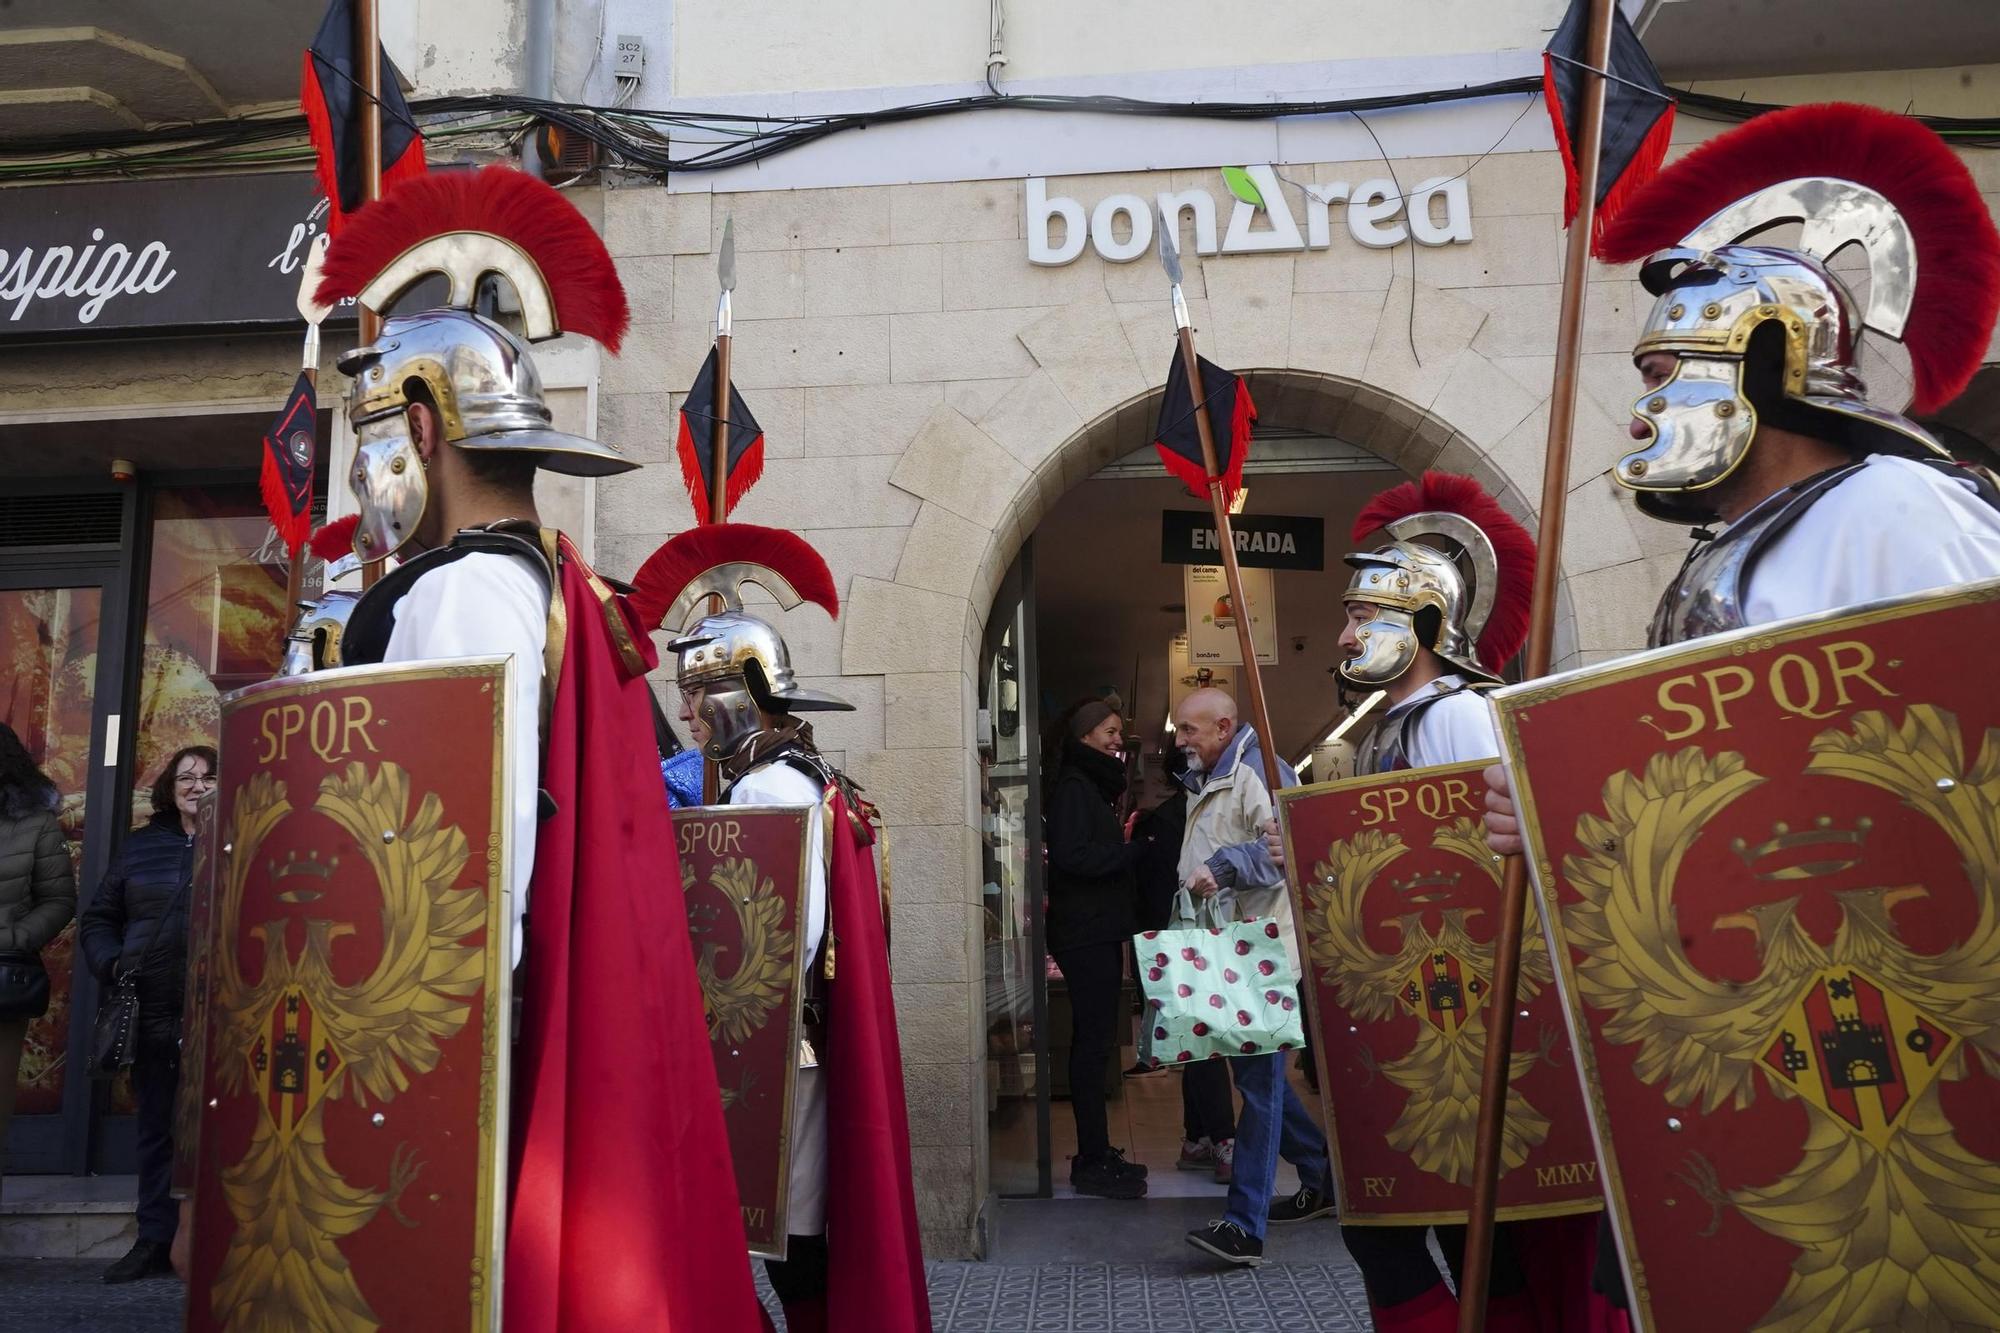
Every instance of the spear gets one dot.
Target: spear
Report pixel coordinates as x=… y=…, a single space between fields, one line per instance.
x=1170 y=260
x=718 y=466
x=313 y=313
x=368 y=42
x=1541 y=639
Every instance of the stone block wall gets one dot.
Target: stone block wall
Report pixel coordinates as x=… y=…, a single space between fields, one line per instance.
x=928 y=394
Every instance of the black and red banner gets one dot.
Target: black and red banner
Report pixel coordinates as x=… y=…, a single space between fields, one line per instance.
x=1230 y=416
x=697 y=443
x=286 y=477
x=334 y=101
x=1638 y=111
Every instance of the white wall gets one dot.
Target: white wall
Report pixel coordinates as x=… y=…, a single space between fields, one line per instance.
x=717 y=50
x=451 y=47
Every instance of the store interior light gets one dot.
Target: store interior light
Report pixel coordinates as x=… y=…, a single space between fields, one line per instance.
x=1355 y=716
x=1241 y=498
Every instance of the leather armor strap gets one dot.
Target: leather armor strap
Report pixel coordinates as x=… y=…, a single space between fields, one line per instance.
x=366 y=638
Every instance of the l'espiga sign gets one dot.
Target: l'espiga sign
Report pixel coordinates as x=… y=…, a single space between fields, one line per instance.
x=155 y=254
x=1265 y=541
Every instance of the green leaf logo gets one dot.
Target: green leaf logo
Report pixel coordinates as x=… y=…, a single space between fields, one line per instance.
x=1239 y=183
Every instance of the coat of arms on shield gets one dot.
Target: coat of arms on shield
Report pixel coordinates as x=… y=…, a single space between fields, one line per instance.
x=351 y=1171
x=1770 y=866
x=1399 y=902
x=743 y=871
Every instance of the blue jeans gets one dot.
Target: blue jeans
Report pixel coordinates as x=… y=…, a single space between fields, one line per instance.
x=1274 y=1123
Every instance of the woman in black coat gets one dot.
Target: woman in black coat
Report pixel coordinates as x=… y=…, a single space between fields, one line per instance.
x=1092 y=887
x=37 y=899
x=137 y=924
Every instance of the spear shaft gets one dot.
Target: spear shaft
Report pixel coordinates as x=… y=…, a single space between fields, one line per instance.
x=1478 y=1266
x=368 y=45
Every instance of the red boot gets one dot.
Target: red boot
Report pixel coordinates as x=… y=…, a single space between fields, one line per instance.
x=1436 y=1311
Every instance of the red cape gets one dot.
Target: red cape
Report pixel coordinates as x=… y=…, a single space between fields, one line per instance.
x=874 y=1253
x=624 y=1212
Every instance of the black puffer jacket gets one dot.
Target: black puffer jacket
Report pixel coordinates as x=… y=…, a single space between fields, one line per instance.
x=37 y=889
x=130 y=908
x=1091 y=866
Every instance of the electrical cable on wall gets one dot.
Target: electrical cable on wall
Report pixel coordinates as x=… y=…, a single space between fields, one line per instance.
x=662 y=143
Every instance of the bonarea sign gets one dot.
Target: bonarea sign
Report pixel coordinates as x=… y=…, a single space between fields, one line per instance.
x=1261 y=218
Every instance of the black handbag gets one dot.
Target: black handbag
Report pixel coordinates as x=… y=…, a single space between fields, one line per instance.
x=24 y=986
x=115 y=1042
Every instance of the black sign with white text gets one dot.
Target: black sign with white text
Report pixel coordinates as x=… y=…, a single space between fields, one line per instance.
x=187 y=252
x=1265 y=541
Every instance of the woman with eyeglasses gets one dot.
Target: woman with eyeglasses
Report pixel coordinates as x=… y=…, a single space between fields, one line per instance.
x=136 y=925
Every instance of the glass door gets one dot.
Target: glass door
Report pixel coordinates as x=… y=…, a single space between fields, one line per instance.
x=1017 y=1044
x=61 y=627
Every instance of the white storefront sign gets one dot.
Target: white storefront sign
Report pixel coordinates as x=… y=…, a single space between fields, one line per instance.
x=1211 y=617
x=1438 y=211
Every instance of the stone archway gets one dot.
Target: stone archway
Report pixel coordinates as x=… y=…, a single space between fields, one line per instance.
x=985 y=467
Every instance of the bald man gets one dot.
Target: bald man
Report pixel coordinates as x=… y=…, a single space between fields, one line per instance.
x=1224 y=857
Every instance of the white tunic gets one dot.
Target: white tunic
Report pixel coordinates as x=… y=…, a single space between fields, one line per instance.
x=1895 y=527
x=484 y=605
x=781 y=784
x=1457 y=729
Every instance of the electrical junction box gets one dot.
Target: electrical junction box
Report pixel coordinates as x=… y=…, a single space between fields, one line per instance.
x=631 y=58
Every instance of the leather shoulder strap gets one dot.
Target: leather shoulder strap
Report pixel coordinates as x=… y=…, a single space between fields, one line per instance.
x=366 y=638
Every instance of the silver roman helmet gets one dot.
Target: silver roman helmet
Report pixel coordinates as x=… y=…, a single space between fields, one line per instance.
x=738 y=662
x=1717 y=295
x=1455 y=578
x=478 y=374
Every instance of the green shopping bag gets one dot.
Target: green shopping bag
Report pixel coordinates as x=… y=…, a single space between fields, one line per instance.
x=1215 y=990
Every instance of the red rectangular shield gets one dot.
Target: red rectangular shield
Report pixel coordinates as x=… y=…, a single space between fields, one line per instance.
x=1770 y=866
x=1399 y=905
x=743 y=868
x=351 y=1169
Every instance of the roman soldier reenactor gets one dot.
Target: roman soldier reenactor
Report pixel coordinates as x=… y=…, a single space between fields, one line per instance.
x=1432 y=617
x=623 y=1209
x=1754 y=425
x=854 y=1261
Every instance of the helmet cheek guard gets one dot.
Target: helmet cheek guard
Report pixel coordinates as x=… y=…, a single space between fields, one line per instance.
x=1388 y=649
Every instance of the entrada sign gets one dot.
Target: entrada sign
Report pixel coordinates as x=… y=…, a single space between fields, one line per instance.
x=1438 y=211
x=1268 y=541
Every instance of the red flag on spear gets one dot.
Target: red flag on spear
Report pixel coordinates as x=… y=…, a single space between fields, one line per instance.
x=336 y=104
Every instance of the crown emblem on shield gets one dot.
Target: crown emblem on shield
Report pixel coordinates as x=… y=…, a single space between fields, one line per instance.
x=1832 y=849
x=1428 y=887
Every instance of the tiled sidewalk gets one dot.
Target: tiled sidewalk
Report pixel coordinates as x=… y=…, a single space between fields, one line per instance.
x=1141 y=1278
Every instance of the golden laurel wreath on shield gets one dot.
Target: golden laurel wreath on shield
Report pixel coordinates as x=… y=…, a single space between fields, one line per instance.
x=740 y=1003
x=1897 y=1223
x=1441 y=977
x=298 y=1038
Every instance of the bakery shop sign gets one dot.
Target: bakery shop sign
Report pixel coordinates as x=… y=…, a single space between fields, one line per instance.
x=1262 y=218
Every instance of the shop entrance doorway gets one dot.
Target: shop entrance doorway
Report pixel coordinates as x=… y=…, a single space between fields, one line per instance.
x=1098 y=603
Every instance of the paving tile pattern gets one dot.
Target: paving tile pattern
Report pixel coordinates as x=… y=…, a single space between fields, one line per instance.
x=56 y=1296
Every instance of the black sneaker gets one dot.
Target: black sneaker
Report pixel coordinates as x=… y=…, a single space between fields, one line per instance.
x=1115 y=1157
x=1229 y=1243
x=1304 y=1206
x=1101 y=1176
x=146 y=1258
